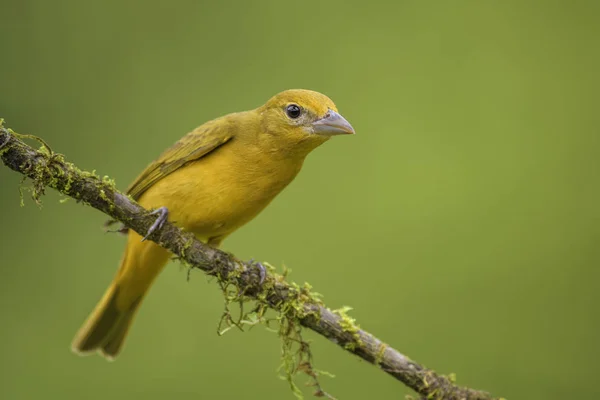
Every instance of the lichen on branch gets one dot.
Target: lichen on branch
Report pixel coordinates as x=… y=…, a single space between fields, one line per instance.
x=296 y=306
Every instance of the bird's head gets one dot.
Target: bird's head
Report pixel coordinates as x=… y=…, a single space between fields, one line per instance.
x=303 y=118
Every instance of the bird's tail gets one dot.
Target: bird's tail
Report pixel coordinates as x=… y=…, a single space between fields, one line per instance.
x=107 y=326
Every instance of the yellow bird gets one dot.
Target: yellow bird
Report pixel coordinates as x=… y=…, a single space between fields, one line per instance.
x=211 y=182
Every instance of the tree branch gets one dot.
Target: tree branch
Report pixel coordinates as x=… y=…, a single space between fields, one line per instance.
x=47 y=168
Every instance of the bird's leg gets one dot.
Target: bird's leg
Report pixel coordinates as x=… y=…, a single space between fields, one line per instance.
x=262 y=271
x=163 y=214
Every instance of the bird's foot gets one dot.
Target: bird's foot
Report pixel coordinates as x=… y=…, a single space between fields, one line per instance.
x=262 y=271
x=5 y=142
x=163 y=214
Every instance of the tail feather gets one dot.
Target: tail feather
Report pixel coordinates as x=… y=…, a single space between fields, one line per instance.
x=106 y=327
x=112 y=346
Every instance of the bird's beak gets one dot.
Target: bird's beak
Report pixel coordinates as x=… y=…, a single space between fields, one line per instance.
x=332 y=124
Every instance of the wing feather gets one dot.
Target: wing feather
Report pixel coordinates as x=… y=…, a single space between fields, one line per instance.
x=193 y=146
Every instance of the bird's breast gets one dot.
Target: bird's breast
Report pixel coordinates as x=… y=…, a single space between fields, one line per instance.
x=223 y=190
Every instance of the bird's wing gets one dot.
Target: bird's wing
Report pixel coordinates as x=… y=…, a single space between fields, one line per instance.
x=191 y=147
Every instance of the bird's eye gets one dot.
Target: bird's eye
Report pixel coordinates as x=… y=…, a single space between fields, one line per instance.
x=293 y=111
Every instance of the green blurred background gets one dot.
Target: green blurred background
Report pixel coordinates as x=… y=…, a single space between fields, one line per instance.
x=461 y=222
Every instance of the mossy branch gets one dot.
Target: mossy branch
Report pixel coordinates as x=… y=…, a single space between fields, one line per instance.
x=297 y=304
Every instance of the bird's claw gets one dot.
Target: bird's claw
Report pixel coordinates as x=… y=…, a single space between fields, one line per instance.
x=262 y=271
x=163 y=214
x=5 y=142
